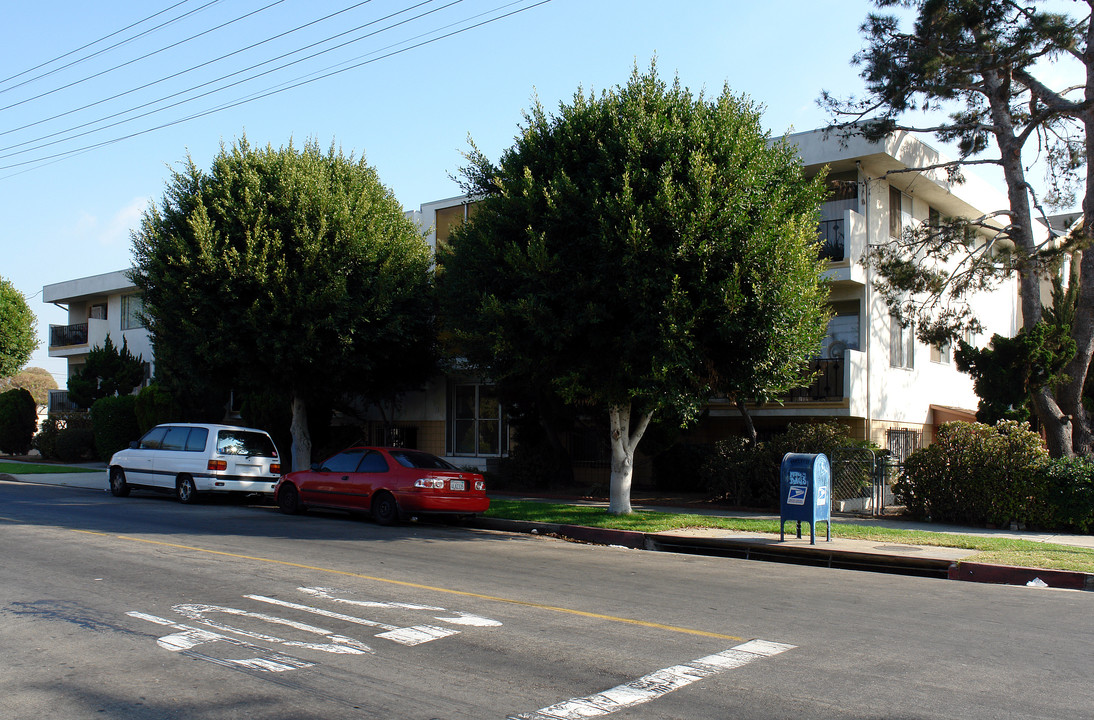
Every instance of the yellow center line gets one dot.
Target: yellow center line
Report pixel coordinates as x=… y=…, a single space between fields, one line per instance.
x=419 y=586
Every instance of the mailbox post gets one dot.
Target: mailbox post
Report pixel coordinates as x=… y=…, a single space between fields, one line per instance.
x=805 y=493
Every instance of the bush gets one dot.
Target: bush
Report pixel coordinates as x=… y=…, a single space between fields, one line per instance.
x=18 y=421
x=680 y=467
x=48 y=441
x=76 y=440
x=1069 y=495
x=977 y=474
x=748 y=476
x=154 y=406
x=114 y=420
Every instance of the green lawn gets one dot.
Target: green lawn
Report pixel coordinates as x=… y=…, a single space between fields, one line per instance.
x=23 y=468
x=1001 y=551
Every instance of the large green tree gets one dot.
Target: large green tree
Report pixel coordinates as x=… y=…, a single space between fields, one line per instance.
x=639 y=251
x=288 y=272
x=982 y=69
x=18 y=330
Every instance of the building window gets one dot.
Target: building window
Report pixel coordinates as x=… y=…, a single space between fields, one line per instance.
x=450 y=218
x=477 y=426
x=901 y=343
x=97 y=312
x=843 y=330
x=941 y=353
x=900 y=212
x=901 y=444
x=132 y=307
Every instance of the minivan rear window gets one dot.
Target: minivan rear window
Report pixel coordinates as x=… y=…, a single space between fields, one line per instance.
x=242 y=442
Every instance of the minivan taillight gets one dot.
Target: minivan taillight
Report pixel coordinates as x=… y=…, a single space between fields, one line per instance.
x=218 y=465
x=275 y=468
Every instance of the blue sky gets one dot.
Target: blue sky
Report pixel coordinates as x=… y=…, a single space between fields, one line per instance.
x=410 y=114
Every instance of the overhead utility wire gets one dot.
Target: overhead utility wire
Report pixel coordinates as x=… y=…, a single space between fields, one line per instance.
x=166 y=78
x=234 y=84
x=107 y=49
x=145 y=56
x=88 y=148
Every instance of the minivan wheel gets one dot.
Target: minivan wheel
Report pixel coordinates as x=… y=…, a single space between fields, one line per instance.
x=118 y=486
x=185 y=491
x=385 y=511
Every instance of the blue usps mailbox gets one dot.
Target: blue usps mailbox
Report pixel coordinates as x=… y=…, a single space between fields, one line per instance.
x=805 y=493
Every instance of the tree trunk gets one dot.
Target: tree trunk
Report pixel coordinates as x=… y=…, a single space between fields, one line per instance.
x=624 y=441
x=750 y=428
x=301 y=438
x=1056 y=422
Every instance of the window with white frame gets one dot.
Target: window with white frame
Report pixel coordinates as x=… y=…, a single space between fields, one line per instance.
x=901 y=343
x=941 y=353
x=132 y=307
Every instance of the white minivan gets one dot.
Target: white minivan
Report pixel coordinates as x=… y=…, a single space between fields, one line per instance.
x=194 y=458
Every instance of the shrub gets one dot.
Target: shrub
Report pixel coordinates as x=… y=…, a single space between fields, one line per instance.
x=154 y=406
x=749 y=476
x=18 y=421
x=1069 y=495
x=977 y=474
x=76 y=440
x=114 y=420
x=680 y=467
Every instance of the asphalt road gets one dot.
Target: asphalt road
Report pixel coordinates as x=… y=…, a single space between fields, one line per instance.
x=143 y=608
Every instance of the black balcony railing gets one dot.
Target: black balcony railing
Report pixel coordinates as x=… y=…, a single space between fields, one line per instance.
x=66 y=335
x=827 y=385
x=59 y=403
x=832 y=233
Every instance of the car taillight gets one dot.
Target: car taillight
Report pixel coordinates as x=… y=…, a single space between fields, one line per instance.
x=218 y=465
x=480 y=485
x=429 y=483
x=275 y=468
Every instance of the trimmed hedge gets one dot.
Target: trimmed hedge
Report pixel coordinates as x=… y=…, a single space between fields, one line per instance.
x=115 y=422
x=18 y=421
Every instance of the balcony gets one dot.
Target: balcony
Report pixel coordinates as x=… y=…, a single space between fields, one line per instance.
x=67 y=335
x=59 y=403
x=843 y=243
x=77 y=339
x=827 y=386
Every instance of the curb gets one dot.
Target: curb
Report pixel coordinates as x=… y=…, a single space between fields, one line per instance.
x=814 y=556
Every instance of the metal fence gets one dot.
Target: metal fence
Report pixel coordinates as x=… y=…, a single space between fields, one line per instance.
x=862 y=481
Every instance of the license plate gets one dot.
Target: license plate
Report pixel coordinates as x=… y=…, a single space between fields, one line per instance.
x=457 y=485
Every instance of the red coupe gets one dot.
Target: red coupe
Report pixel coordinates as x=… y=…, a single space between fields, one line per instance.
x=390 y=483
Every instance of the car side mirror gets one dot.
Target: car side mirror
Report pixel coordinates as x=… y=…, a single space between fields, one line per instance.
x=316 y=467
x=133 y=444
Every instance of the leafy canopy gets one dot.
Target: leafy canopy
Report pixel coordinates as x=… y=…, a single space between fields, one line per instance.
x=288 y=271
x=18 y=330
x=642 y=246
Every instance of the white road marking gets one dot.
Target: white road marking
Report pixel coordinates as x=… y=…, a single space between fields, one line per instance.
x=656 y=684
x=461 y=618
x=340 y=644
x=187 y=638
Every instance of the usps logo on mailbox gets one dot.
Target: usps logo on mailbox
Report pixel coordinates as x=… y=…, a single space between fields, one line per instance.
x=799 y=488
x=822 y=495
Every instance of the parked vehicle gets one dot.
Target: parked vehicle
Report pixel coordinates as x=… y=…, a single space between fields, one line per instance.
x=390 y=483
x=190 y=459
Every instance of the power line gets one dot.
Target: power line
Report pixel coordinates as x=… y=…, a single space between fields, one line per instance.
x=224 y=77
x=96 y=42
x=164 y=79
x=144 y=57
x=69 y=153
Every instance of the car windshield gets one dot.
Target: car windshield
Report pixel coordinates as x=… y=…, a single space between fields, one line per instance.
x=243 y=442
x=421 y=460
